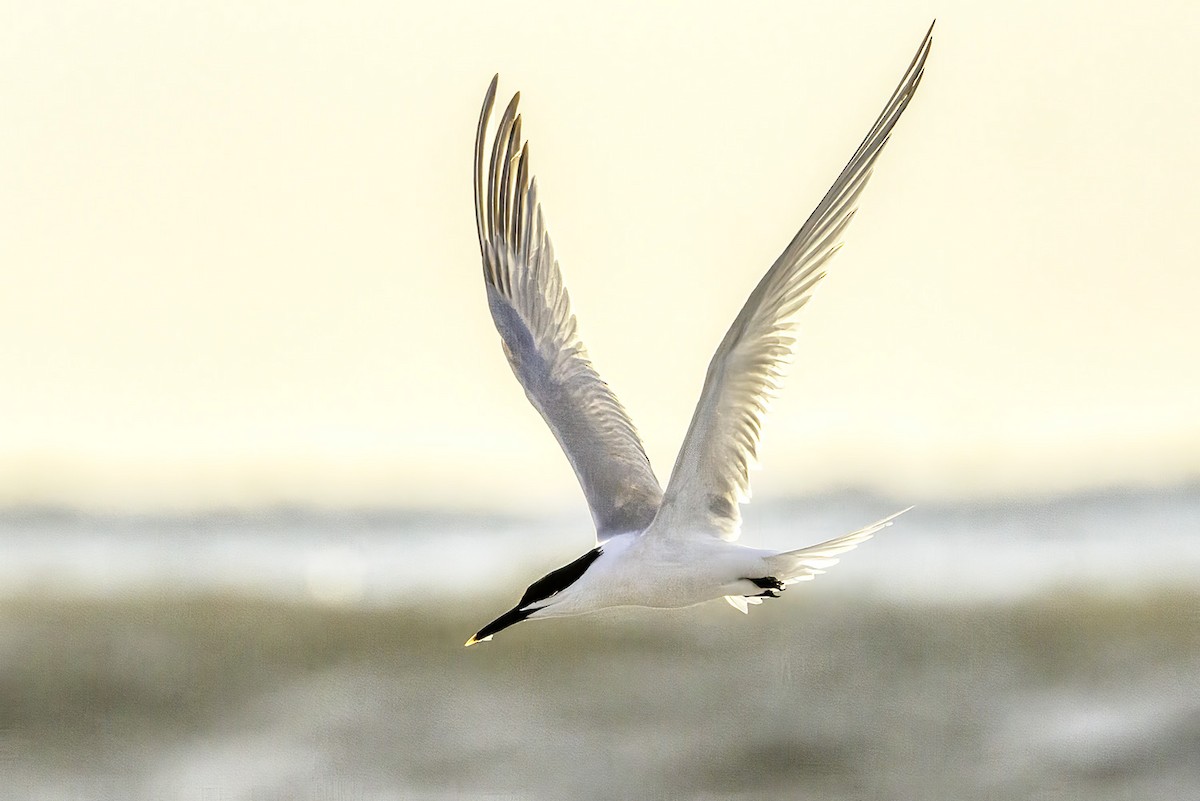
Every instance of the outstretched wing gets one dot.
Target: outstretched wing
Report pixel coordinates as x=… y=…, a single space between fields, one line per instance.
x=711 y=475
x=533 y=315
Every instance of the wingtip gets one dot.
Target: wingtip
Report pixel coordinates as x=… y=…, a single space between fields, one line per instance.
x=494 y=85
x=887 y=522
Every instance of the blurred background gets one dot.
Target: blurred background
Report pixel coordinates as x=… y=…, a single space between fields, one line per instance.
x=263 y=467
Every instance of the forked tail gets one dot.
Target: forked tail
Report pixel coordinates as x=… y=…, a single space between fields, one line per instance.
x=804 y=564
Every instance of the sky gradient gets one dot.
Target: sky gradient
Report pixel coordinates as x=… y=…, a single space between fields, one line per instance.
x=238 y=264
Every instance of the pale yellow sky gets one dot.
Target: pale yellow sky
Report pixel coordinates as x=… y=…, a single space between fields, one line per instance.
x=238 y=261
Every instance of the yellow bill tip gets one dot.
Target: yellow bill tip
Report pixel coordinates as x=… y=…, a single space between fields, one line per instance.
x=472 y=641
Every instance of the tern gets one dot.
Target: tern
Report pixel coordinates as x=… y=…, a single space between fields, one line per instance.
x=656 y=548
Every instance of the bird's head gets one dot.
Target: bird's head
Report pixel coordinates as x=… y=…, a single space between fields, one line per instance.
x=539 y=596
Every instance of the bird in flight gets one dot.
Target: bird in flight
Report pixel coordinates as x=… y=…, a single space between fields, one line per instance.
x=656 y=548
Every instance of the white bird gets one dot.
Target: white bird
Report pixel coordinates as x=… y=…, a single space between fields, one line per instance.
x=654 y=548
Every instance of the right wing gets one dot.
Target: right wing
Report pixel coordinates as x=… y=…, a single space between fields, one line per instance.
x=711 y=475
x=533 y=315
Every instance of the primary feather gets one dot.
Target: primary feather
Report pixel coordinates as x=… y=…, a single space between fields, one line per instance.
x=712 y=471
x=532 y=312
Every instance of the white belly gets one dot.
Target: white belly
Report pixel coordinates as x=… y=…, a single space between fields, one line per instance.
x=668 y=574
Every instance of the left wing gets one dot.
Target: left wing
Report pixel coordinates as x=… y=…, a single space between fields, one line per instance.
x=532 y=312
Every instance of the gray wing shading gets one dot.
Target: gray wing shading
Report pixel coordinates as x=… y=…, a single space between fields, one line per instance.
x=538 y=331
x=711 y=474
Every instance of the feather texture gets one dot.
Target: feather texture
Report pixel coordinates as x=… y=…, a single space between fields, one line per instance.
x=711 y=475
x=532 y=312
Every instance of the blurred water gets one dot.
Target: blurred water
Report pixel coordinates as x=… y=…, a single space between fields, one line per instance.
x=1017 y=650
x=1003 y=549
